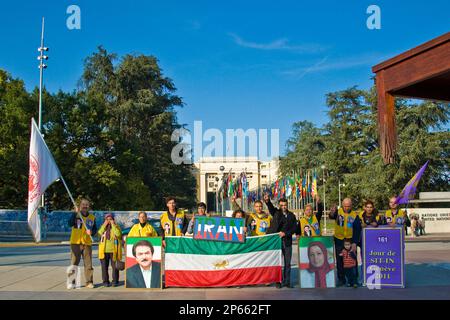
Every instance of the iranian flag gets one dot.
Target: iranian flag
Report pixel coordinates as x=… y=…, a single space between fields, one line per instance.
x=130 y=241
x=202 y=263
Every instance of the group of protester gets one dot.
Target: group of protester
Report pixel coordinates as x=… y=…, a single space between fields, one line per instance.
x=174 y=222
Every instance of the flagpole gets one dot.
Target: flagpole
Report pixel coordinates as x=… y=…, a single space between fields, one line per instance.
x=68 y=191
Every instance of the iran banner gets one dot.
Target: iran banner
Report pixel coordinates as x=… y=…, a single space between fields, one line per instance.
x=201 y=263
x=43 y=172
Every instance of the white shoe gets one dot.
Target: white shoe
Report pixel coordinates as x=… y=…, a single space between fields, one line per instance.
x=70 y=286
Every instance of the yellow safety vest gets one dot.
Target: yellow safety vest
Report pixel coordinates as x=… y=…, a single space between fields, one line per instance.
x=310 y=229
x=344 y=224
x=167 y=225
x=146 y=231
x=259 y=224
x=117 y=252
x=78 y=234
x=399 y=218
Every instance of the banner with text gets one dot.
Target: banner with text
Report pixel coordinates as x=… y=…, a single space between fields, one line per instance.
x=384 y=257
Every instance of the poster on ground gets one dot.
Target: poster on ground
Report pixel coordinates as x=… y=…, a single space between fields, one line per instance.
x=316 y=262
x=143 y=263
x=384 y=257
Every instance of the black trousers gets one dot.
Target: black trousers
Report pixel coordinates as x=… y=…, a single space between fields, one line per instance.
x=351 y=276
x=339 y=245
x=287 y=255
x=105 y=266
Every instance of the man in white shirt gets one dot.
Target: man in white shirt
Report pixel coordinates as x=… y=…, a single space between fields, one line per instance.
x=146 y=273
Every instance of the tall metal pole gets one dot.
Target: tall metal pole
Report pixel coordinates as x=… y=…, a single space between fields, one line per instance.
x=324 y=206
x=339 y=188
x=42 y=66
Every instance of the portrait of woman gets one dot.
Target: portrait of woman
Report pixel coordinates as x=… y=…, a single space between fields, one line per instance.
x=317 y=263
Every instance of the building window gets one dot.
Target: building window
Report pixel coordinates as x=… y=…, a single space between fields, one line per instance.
x=264 y=176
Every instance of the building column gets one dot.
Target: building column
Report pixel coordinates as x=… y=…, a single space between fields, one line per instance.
x=203 y=188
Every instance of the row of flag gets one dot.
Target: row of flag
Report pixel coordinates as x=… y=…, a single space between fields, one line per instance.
x=300 y=186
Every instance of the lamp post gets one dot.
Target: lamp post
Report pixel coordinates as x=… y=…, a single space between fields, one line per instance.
x=340 y=185
x=222 y=168
x=41 y=66
x=324 y=207
x=217 y=194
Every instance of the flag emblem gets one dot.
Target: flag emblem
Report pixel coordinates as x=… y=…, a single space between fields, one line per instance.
x=33 y=179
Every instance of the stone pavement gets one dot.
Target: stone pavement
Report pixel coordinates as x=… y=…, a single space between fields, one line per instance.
x=29 y=271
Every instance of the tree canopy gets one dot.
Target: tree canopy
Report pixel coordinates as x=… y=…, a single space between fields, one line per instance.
x=347 y=144
x=111 y=138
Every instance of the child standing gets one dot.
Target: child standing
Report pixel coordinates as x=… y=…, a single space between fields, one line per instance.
x=350 y=264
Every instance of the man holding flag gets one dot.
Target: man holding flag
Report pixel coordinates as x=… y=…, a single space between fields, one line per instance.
x=43 y=172
x=83 y=228
x=398 y=217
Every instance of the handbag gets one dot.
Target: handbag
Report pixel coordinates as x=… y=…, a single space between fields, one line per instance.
x=120 y=265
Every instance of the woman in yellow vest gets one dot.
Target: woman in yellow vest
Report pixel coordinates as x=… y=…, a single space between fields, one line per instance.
x=110 y=249
x=143 y=228
x=173 y=221
x=308 y=224
x=394 y=216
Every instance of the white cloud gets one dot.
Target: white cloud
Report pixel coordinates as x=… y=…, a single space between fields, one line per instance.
x=278 y=44
x=325 y=64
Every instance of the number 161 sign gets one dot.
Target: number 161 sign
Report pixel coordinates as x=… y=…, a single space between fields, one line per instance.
x=384 y=257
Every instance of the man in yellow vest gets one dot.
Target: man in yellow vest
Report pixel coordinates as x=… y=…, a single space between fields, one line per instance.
x=83 y=228
x=394 y=216
x=143 y=228
x=347 y=226
x=259 y=221
x=309 y=224
x=173 y=222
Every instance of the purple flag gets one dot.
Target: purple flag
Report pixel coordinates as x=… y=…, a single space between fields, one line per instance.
x=410 y=189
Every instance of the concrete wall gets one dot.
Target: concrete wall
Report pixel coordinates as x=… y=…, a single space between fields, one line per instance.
x=14 y=226
x=436 y=220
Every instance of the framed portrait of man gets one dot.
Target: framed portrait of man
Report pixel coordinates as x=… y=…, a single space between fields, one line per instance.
x=317 y=262
x=143 y=263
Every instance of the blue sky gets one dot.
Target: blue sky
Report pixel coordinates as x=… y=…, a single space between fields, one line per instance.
x=237 y=64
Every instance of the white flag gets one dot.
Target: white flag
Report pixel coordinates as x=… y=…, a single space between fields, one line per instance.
x=43 y=172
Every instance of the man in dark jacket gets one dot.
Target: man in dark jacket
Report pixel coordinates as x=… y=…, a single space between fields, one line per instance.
x=284 y=223
x=146 y=273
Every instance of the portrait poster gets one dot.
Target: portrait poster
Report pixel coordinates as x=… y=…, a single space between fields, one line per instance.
x=316 y=262
x=143 y=263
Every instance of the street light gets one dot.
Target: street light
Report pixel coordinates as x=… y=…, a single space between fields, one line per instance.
x=217 y=194
x=222 y=169
x=324 y=194
x=41 y=66
x=340 y=185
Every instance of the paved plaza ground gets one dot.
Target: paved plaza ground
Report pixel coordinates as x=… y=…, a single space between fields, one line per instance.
x=29 y=271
